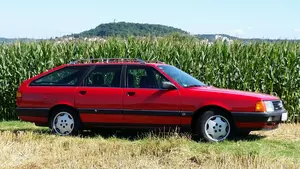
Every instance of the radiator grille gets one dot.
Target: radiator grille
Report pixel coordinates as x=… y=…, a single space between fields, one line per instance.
x=277 y=105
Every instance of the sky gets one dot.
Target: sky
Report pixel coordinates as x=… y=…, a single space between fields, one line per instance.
x=246 y=19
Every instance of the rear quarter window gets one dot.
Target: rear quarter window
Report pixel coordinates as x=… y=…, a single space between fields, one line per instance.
x=67 y=76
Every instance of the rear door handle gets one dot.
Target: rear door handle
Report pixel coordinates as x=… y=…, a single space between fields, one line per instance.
x=82 y=92
x=130 y=93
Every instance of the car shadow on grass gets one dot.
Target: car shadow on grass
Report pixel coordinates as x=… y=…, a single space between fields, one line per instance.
x=250 y=137
x=142 y=134
x=129 y=134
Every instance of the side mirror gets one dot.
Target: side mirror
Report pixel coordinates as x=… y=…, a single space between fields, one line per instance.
x=168 y=85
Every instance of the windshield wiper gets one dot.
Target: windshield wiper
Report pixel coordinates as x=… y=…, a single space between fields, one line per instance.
x=193 y=86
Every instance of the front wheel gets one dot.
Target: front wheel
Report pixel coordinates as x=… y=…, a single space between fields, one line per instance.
x=214 y=126
x=64 y=122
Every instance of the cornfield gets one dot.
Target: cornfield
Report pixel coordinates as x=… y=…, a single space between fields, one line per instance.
x=272 y=68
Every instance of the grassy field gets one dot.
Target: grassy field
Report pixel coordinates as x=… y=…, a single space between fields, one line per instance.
x=25 y=146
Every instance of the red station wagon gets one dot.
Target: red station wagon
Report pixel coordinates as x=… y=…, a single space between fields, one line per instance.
x=132 y=93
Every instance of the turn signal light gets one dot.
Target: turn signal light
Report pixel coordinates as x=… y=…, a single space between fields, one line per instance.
x=260 y=107
x=19 y=94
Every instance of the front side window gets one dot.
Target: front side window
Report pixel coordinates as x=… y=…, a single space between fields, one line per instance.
x=181 y=77
x=144 y=77
x=104 y=76
x=159 y=78
x=68 y=76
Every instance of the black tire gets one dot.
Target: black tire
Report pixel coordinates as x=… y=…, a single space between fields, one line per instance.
x=202 y=127
x=69 y=113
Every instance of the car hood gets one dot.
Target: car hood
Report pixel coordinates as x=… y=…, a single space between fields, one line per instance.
x=215 y=90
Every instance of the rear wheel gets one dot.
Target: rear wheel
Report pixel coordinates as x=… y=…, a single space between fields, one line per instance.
x=214 y=125
x=65 y=121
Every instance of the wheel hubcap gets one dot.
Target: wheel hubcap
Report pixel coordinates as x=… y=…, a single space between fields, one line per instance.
x=217 y=128
x=63 y=123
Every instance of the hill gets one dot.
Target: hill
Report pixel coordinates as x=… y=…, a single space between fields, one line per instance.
x=5 y=40
x=213 y=37
x=144 y=29
x=126 y=28
x=11 y=40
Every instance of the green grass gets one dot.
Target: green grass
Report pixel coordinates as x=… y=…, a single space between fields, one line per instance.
x=10 y=125
x=20 y=126
x=259 y=150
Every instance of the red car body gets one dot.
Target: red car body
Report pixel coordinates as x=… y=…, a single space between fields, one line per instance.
x=124 y=106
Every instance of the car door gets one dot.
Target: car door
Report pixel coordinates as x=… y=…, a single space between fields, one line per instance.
x=99 y=99
x=145 y=102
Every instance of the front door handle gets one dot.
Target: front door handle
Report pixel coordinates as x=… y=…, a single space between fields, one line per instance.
x=130 y=93
x=82 y=92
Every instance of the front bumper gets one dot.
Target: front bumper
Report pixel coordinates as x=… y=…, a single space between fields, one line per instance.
x=259 y=121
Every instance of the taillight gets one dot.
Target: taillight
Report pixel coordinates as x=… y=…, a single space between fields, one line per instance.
x=18 y=97
x=19 y=94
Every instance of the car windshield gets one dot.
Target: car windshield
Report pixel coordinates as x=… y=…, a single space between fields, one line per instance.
x=181 y=77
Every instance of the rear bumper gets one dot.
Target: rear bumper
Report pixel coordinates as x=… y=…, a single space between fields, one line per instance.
x=258 y=121
x=35 y=115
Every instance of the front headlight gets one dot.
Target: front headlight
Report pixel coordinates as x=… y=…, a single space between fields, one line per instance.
x=264 y=106
x=269 y=106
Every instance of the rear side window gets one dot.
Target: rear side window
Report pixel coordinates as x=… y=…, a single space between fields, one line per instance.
x=68 y=76
x=104 y=76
